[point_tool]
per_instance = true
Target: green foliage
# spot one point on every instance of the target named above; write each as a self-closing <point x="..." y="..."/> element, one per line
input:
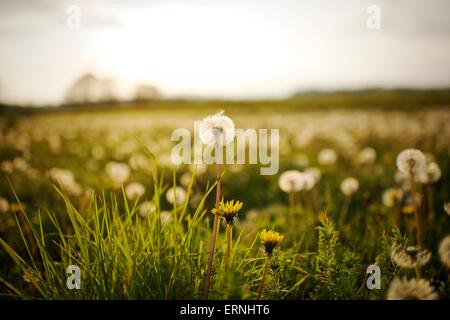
<point x="326" y="260"/>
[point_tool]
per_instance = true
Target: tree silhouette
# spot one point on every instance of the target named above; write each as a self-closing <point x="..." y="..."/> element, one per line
<point x="90" y="89"/>
<point x="147" y="92"/>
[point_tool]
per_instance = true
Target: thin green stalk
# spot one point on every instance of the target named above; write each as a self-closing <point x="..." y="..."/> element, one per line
<point x="291" y="211"/>
<point x="344" y="209"/>
<point x="213" y="238"/>
<point x="263" y="280"/>
<point x="416" y="211"/>
<point x="229" y="244"/>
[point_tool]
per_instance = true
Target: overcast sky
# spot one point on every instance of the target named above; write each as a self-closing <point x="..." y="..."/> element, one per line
<point x="227" y="48"/>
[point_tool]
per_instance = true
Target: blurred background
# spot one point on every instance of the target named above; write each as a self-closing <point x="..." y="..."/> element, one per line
<point x="55" y="52"/>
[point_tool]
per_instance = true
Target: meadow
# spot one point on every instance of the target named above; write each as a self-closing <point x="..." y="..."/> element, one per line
<point x="95" y="188"/>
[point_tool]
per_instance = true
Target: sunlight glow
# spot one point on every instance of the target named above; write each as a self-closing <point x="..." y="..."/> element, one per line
<point x="184" y="48"/>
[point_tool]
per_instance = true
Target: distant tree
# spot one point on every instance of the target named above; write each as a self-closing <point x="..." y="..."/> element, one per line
<point x="145" y="92"/>
<point x="90" y="89"/>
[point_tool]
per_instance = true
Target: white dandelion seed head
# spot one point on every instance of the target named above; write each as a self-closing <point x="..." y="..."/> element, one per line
<point x="402" y="179"/>
<point x="177" y="194"/>
<point x="186" y="179"/>
<point x="410" y="257"/>
<point x="66" y="179"/>
<point x="291" y="181"/>
<point x="444" y="251"/>
<point x="217" y="130"/>
<point x="367" y="156"/>
<point x="447" y="208"/>
<point x="315" y="172"/>
<point x="63" y="176"/>
<point x="414" y="289"/>
<point x="349" y="186"/>
<point x="4" y="205"/>
<point x="421" y="177"/>
<point x="146" y="208"/>
<point x="118" y="172"/>
<point x="7" y="166"/>
<point x="139" y="161"/>
<point x="26" y="278"/>
<point x="434" y="172"/>
<point x="252" y="215"/>
<point x="134" y="190"/>
<point x="166" y="217"/>
<point x="309" y="180"/>
<point x="199" y="168"/>
<point x="411" y="160"/>
<point x="327" y="157"/>
<point x="392" y="196"/>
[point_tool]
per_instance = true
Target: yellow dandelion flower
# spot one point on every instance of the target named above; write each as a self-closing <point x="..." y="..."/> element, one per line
<point x="228" y="210"/>
<point x="408" y="209"/>
<point x="270" y="239"/>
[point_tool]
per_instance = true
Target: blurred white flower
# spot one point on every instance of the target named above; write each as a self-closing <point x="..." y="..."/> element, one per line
<point x="309" y="180"/>
<point x="118" y="172"/>
<point x="88" y="193"/>
<point x="349" y="186"/>
<point x="62" y="176"/>
<point x="414" y="289"/>
<point x="291" y="181"/>
<point x="433" y="172"/>
<point x="447" y="208"/>
<point x="139" y="161"/>
<point x="392" y="196"/>
<point x="166" y="217"/>
<point x="410" y="257"/>
<point x="177" y="194"/>
<point x="367" y="156"/>
<point x="315" y="172"/>
<point x="146" y="209"/>
<point x="20" y="164"/>
<point x="7" y="166"/>
<point x="401" y="177"/>
<point x="66" y="179"/>
<point x="217" y="130"/>
<point x="134" y="190"/>
<point x="252" y="215"/>
<point x="444" y="251"/>
<point x="4" y="205"/>
<point x="200" y="168"/>
<point x="411" y="160"/>
<point x="327" y="157"/>
<point x="186" y="179"/>
<point x="403" y="180"/>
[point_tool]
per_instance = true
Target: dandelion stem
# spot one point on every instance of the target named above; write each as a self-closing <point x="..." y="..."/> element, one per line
<point x="344" y="209"/>
<point x="229" y="239"/>
<point x="397" y="214"/>
<point x="291" y="211"/>
<point x="429" y="199"/>
<point x="213" y="237"/>
<point x="263" y="280"/>
<point x="418" y="275"/>
<point x="416" y="211"/>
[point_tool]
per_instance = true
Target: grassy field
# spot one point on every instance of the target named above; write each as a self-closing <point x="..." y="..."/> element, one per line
<point x="91" y="187"/>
